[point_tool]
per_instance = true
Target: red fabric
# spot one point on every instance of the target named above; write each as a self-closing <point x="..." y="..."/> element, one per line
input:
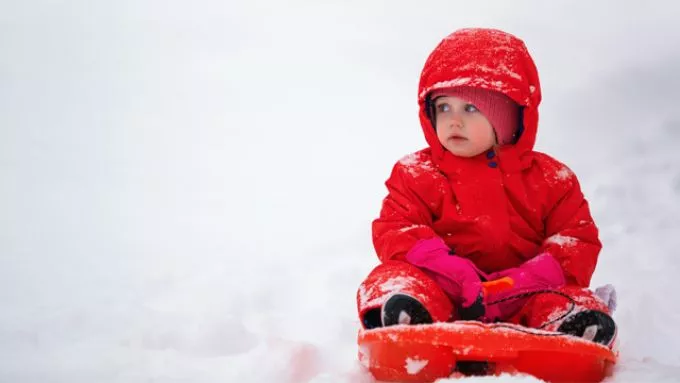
<point x="500" y="208"/>
<point x="396" y="276"/>
<point x="546" y="308"/>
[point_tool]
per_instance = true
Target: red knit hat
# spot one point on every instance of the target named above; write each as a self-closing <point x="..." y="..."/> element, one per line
<point x="501" y="111"/>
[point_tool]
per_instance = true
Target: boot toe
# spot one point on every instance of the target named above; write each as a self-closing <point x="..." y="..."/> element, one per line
<point x="590" y="324"/>
<point x="404" y="309"/>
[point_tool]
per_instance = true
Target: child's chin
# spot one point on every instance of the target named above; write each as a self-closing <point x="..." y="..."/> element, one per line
<point x="462" y="152"/>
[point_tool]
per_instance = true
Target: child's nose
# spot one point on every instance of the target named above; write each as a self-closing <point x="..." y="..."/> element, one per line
<point x="457" y="120"/>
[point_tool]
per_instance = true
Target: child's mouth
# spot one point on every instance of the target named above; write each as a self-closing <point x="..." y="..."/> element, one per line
<point x="458" y="138"/>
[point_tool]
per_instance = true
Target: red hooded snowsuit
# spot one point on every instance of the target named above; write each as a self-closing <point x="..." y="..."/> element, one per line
<point x="498" y="209"/>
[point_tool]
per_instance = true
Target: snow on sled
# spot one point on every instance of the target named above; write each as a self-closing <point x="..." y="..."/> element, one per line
<point x="425" y="353"/>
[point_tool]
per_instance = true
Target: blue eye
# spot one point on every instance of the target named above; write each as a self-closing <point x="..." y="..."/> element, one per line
<point x="471" y="108"/>
<point x="443" y="108"/>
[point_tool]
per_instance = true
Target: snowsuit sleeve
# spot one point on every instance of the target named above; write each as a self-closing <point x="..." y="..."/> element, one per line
<point x="571" y="235"/>
<point x="404" y="218"/>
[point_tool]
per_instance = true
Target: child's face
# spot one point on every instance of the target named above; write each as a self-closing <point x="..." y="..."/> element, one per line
<point x="461" y="128"/>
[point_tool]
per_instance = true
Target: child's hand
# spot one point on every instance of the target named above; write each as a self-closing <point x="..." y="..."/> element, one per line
<point x="457" y="276"/>
<point x="539" y="273"/>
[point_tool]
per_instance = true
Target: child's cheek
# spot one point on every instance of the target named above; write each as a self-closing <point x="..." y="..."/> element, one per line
<point x="440" y="135"/>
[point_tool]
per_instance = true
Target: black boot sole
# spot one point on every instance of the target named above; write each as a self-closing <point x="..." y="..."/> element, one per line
<point x="404" y="309"/>
<point x="578" y="323"/>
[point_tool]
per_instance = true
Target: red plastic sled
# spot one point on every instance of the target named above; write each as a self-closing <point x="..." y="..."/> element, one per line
<point x="424" y="353"/>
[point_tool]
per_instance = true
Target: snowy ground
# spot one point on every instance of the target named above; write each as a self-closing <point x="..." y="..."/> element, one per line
<point x="187" y="190"/>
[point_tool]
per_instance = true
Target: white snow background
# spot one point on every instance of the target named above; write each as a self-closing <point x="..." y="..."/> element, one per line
<point x="186" y="188"/>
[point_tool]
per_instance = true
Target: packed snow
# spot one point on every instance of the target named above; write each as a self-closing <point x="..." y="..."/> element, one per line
<point x="562" y="240"/>
<point x="414" y="366"/>
<point x="187" y="188"/>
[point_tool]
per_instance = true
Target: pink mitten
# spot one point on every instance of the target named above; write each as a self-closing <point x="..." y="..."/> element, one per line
<point x="457" y="276"/>
<point x="539" y="273"/>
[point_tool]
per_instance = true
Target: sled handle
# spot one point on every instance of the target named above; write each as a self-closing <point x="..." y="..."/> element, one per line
<point x="497" y="285"/>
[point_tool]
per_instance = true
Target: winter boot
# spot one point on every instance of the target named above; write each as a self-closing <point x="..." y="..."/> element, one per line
<point x="404" y="309"/>
<point x="592" y="325"/>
